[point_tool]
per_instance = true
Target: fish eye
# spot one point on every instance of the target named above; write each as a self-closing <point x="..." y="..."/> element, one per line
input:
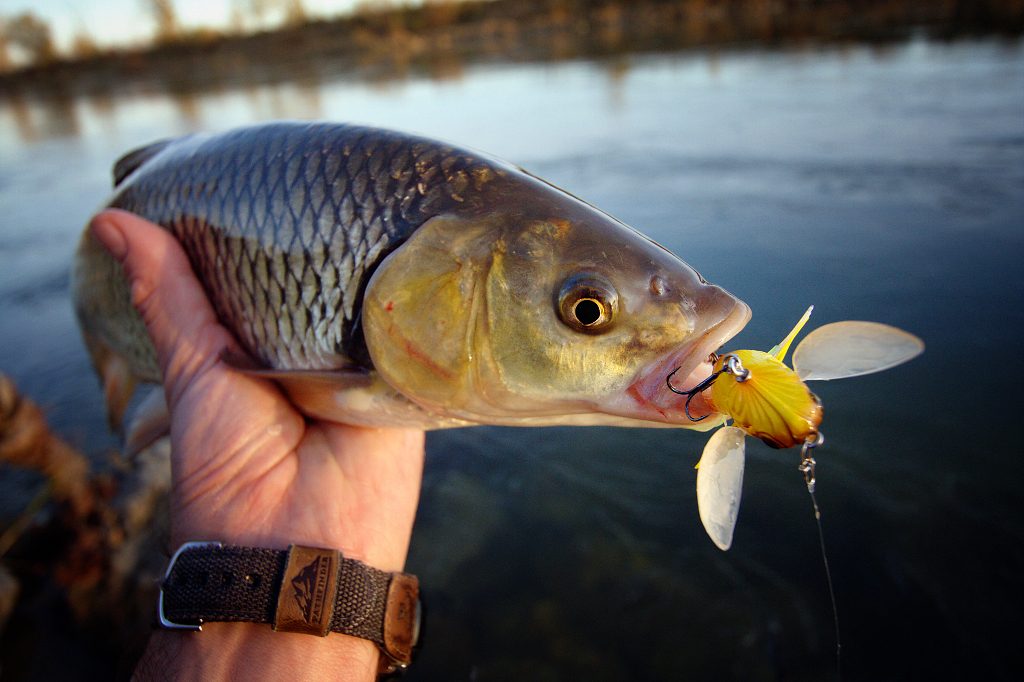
<point x="587" y="304"/>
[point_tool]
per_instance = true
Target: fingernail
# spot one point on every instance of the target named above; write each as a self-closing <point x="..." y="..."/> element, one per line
<point x="111" y="237"/>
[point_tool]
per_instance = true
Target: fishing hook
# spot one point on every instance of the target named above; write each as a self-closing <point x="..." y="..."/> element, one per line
<point x="732" y="366"/>
<point x="702" y="386"/>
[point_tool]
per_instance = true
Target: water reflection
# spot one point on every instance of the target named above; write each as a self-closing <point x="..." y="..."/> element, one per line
<point x="617" y="71"/>
<point x="300" y="100"/>
<point x="54" y="115"/>
<point x="187" y="103"/>
<point x="308" y="88"/>
<point x="102" y="105"/>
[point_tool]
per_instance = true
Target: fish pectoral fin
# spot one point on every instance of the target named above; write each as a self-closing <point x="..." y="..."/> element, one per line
<point x="116" y="377"/>
<point x="149" y="422"/>
<point x="342" y="396"/>
<point x="237" y="360"/>
<point x="134" y="159"/>
<point x="315" y="392"/>
<point x="336" y="378"/>
<point x="348" y="395"/>
<point x="341" y="376"/>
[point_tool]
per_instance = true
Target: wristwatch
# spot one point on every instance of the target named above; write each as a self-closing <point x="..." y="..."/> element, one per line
<point x="310" y="590"/>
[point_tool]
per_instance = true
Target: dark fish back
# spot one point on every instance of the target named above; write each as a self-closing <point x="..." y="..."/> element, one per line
<point x="285" y="223"/>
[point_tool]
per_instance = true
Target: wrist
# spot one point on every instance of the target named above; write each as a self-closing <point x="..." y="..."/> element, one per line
<point x="361" y="501"/>
<point x="307" y="590"/>
<point x="231" y="651"/>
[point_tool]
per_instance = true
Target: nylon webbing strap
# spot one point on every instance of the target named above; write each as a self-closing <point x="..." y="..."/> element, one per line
<point x="303" y="589"/>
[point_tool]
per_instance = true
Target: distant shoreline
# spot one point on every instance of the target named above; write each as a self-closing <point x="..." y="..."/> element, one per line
<point x="440" y="39"/>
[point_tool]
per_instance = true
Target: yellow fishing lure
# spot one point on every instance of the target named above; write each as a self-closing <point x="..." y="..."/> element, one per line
<point x="764" y="397"/>
<point x="769" y="400"/>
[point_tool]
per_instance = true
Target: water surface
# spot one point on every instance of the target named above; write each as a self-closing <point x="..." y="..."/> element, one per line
<point x="876" y="183"/>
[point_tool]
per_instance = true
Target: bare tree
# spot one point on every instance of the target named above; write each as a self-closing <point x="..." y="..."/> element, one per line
<point x="258" y="10"/>
<point x="236" y="18"/>
<point x="440" y="13"/>
<point x="5" y="57"/>
<point x="253" y="14"/>
<point x="165" y="16"/>
<point x="294" y="13"/>
<point x="31" y="34"/>
<point x="83" y="46"/>
<point x="366" y="7"/>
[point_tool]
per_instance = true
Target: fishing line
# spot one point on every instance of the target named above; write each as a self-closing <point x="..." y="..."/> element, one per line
<point x="806" y="467"/>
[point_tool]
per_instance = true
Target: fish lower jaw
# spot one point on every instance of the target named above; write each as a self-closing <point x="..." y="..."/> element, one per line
<point x="650" y="398"/>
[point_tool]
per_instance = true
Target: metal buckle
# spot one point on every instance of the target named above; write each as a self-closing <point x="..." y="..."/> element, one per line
<point x="167" y="574"/>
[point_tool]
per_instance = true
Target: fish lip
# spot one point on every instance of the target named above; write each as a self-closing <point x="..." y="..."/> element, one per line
<point x="650" y="391"/>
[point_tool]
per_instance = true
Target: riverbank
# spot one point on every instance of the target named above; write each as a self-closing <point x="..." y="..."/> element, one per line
<point x="437" y="39"/>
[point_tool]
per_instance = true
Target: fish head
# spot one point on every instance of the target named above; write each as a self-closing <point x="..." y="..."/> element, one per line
<point x="564" y="317"/>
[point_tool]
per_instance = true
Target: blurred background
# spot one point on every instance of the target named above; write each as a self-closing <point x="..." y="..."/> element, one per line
<point x="866" y="156"/>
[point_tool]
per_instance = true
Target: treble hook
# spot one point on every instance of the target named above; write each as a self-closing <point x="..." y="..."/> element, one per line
<point x="702" y="386"/>
<point x="732" y="366"/>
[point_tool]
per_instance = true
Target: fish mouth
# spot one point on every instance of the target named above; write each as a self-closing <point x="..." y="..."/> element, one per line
<point x="650" y="394"/>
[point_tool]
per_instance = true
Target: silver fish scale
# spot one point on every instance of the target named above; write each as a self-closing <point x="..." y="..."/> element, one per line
<point x="284" y="224"/>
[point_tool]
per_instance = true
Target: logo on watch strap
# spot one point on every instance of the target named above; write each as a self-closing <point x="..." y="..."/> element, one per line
<point x="310" y="587"/>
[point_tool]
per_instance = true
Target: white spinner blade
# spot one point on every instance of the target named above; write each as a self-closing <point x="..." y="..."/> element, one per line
<point x="720" y="484"/>
<point x="852" y="348"/>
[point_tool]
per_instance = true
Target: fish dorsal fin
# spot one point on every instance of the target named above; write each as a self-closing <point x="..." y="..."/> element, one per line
<point x="131" y="161"/>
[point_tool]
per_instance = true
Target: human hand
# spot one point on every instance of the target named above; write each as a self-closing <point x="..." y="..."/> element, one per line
<point x="248" y="469"/>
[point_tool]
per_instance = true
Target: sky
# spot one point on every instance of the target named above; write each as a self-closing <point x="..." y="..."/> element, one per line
<point x="124" y="22"/>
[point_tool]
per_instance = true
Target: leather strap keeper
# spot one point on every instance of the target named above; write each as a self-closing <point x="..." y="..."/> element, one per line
<point x="304" y="589"/>
<point x="305" y="602"/>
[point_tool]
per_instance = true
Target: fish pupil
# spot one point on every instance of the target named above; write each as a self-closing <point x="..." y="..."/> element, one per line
<point x="587" y="311"/>
<point x="586" y="303"/>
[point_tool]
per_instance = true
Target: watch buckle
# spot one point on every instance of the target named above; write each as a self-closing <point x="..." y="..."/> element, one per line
<point x="164" y="621"/>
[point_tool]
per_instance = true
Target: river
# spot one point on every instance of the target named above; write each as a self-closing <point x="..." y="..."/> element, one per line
<point x="877" y="182"/>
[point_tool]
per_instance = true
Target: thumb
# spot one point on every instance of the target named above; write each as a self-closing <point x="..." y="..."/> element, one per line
<point x="179" y="318"/>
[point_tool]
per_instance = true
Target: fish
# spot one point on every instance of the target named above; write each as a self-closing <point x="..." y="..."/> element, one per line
<point x="385" y="279"/>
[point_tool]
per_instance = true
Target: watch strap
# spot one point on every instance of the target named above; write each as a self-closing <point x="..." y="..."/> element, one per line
<point x="303" y="589"/>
